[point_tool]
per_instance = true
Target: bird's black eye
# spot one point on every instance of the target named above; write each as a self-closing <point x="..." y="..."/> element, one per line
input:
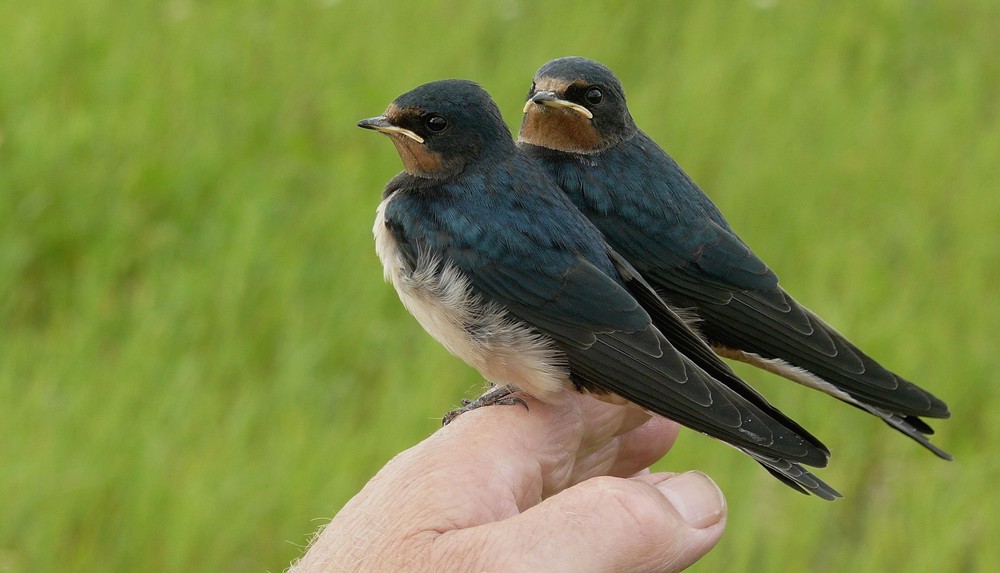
<point x="436" y="123"/>
<point x="594" y="96"/>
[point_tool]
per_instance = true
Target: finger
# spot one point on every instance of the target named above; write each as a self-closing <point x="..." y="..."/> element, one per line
<point x="535" y="450"/>
<point x="487" y="465"/>
<point x="501" y="460"/>
<point x="643" y="446"/>
<point x="630" y="452"/>
<point x="658" y="522"/>
<point x="603" y="421"/>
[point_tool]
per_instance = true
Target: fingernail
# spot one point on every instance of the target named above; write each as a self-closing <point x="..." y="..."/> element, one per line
<point x="696" y="497"/>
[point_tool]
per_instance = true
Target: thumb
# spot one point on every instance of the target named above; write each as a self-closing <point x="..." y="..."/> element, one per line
<point x="655" y="522"/>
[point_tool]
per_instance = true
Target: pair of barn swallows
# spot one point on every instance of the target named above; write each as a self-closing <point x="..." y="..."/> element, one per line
<point x="582" y="257"/>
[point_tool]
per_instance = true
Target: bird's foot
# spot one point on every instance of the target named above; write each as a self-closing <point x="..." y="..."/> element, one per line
<point x="496" y="396"/>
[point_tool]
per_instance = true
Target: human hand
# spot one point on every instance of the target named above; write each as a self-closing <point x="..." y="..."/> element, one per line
<point x="554" y="488"/>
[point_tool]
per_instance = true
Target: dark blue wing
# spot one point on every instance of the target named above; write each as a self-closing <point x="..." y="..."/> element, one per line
<point x="550" y="268"/>
<point x="659" y="220"/>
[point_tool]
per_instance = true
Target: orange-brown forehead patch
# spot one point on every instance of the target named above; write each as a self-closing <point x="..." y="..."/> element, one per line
<point x="395" y="113"/>
<point x="417" y="158"/>
<point x="554" y="85"/>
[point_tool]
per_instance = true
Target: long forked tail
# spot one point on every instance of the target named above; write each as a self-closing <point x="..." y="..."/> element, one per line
<point x="795" y="476"/>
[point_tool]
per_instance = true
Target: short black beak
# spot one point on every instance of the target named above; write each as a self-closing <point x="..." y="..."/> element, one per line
<point x="543" y="96"/>
<point x="374" y="123"/>
<point x="550" y="99"/>
<point x="382" y="124"/>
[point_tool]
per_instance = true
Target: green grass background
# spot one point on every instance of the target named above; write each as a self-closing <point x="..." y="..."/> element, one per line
<point x="199" y="362"/>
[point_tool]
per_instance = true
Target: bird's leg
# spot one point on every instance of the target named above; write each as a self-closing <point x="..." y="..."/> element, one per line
<point x="497" y="395"/>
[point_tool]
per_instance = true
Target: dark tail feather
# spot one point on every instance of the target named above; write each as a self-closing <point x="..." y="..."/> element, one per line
<point x="795" y="476"/>
<point x="911" y="426"/>
<point x="680" y="334"/>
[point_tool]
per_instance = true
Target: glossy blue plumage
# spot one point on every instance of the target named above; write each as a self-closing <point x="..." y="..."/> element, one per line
<point x="654" y="215"/>
<point x="493" y="258"/>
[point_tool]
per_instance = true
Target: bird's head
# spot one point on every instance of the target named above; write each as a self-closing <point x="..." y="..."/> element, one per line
<point x="576" y="105"/>
<point x="441" y="127"/>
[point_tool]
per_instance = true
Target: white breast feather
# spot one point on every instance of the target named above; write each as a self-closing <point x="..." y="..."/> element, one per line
<point x="439" y="296"/>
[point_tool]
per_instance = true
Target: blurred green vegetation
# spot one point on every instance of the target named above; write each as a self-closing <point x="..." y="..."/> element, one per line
<point x="199" y="362"/>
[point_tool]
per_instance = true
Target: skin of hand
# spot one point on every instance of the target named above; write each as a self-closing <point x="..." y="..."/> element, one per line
<point x="561" y="487"/>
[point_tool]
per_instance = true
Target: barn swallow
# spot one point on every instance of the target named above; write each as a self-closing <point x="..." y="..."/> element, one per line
<point x="577" y="124"/>
<point x="496" y="264"/>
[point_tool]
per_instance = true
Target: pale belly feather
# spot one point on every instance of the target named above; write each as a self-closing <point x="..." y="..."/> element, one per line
<point x="438" y="294"/>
